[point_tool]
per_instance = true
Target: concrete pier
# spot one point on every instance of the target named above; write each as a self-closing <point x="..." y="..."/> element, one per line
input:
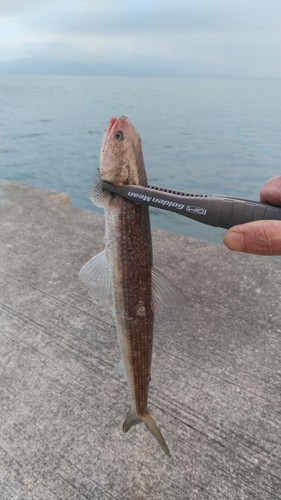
<point x="216" y="375"/>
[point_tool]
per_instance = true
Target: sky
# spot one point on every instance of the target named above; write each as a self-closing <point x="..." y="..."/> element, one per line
<point x="205" y="38"/>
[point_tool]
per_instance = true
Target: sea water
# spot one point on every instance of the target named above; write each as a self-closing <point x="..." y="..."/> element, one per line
<point x="216" y="136"/>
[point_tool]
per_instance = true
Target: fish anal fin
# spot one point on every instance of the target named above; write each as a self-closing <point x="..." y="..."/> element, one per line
<point x="120" y="368"/>
<point x="165" y="293"/>
<point x="134" y="419"/>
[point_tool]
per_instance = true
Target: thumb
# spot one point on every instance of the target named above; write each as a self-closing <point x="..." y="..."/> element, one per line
<point x="261" y="237"/>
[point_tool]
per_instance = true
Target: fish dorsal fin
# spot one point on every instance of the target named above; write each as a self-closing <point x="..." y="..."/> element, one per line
<point x="95" y="274"/>
<point x="165" y="293"/>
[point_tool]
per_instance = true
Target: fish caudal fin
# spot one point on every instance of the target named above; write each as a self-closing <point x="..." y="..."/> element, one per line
<point x="134" y="419"/>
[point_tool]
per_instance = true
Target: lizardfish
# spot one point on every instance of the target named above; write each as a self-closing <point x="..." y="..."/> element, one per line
<point x="125" y="269"/>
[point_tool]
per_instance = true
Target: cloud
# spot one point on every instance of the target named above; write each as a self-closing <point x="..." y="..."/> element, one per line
<point x="14" y="7"/>
<point x="133" y="17"/>
<point x="233" y="37"/>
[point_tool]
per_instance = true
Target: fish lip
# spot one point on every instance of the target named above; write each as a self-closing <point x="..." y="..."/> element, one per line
<point x="107" y="133"/>
<point x="110" y="124"/>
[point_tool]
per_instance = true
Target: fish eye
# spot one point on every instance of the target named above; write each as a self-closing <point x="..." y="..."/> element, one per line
<point x="119" y="136"/>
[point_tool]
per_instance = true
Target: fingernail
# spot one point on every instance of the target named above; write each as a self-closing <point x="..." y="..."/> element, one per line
<point x="235" y="241"/>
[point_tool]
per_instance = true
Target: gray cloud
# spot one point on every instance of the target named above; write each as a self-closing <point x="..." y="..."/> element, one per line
<point x="134" y="18"/>
<point x="169" y="15"/>
<point x="231" y="38"/>
<point x="15" y="7"/>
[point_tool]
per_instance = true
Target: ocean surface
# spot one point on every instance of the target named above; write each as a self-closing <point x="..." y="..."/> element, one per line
<point x="217" y="136"/>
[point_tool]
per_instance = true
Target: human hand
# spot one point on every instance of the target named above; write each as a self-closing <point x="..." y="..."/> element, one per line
<point x="262" y="237"/>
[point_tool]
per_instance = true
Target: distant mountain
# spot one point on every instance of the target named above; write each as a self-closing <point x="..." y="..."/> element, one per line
<point x="49" y="66"/>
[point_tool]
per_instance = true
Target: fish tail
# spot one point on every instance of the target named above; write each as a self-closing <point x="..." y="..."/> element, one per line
<point x="134" y="419"/>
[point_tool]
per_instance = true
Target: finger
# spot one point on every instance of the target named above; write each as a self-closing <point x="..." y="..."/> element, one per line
<point x="261" y="237"/>
<point x="271" y="191"/>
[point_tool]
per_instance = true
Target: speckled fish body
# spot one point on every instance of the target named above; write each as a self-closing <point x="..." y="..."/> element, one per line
<point x="125" y="266"/>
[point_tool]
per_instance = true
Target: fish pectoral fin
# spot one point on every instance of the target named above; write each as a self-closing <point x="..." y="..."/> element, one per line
<point x="97" y="195"/>
<point x="165" y="293"/>
<point x="95" y="274"/>
<point x="134" y="419"/>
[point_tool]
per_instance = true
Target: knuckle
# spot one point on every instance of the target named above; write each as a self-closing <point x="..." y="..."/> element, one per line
<point x="266" y="241"/>
<point x="263" y="241"/>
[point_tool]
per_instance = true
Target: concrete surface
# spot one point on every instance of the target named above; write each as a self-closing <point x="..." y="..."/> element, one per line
<point x="216" y="378"/>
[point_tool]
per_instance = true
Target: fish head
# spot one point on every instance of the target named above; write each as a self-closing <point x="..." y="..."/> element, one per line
<point x="121" y="159"/>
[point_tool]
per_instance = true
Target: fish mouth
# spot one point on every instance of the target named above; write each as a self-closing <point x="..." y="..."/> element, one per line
<point x="109" y="127"/>
<point x="110" y="124"/>
<point x="107" y="132"/>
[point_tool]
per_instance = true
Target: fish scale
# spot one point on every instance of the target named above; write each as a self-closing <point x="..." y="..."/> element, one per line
<point x="132" y="265"/>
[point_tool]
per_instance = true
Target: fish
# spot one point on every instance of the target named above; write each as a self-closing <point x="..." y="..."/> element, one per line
<point x="124" y="269"/>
